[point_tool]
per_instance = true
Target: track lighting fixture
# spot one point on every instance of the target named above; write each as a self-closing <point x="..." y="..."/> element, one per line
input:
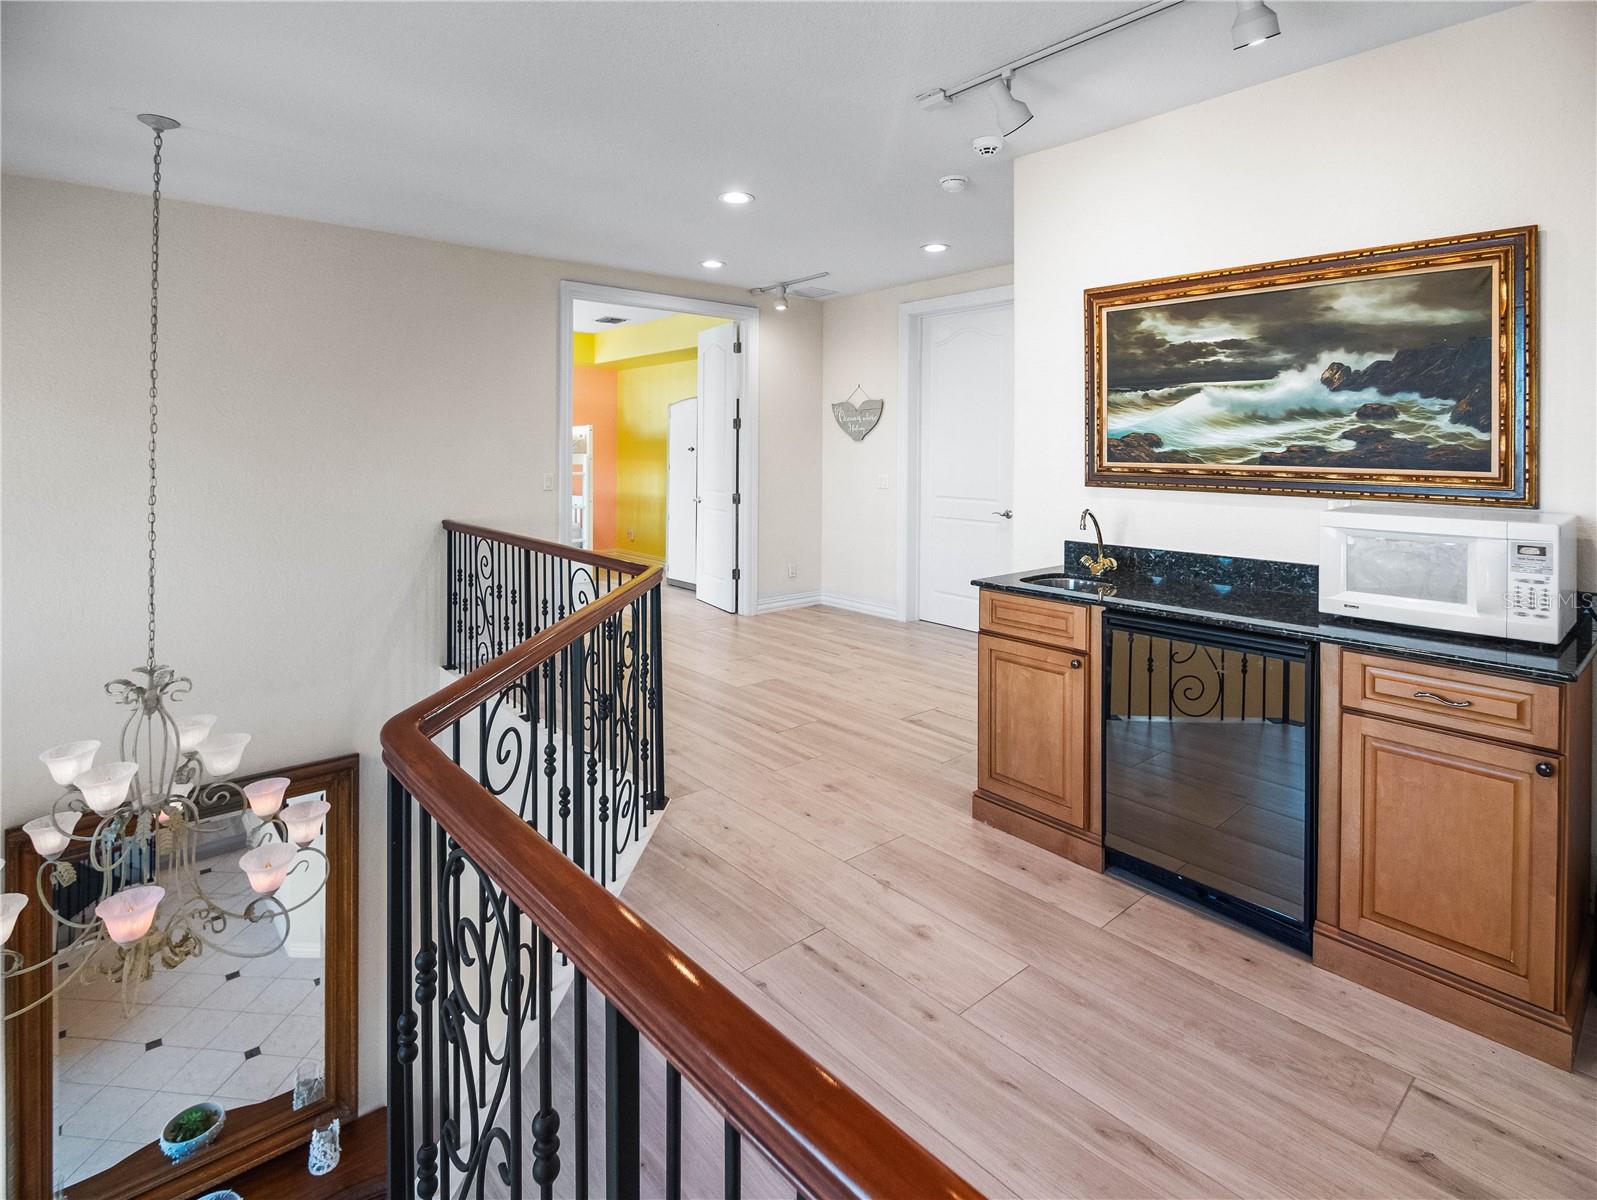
<point x="779" y="290"/>
<point x="1256" y="22"/>
<point x="1011" y="113"/>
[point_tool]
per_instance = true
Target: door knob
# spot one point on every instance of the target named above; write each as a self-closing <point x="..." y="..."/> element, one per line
<point x="1075" y="664"/>
<point x="1544" y="769"/>
<point x="1007" y="514"/>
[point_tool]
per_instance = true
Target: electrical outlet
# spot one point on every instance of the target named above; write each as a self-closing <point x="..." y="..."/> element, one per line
<point x="548" y="482"/>
<point x="792" y="570"/>
<point x="882" y="483"/>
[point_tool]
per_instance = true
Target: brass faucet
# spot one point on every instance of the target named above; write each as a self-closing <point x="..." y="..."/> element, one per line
<point x="1103" y="563"/>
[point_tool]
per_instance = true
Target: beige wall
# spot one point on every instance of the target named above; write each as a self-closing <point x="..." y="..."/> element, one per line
<point x="329" y="395"/>
<point x="1479" y="126"/>
<point x="860" y="532"/>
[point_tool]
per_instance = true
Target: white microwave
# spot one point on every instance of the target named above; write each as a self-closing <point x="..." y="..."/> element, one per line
<point x="1499" y="574"/>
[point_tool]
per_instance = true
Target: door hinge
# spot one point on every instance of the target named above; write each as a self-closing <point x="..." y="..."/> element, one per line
<point x="737" y="574"/>
<point x="737" y="497"/>
<point x="737" y="424"/>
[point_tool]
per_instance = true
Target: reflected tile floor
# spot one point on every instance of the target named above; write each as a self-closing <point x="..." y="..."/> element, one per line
<point x="217" y="1027"/>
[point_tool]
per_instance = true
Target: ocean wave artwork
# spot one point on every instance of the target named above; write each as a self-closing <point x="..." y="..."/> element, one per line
<point x="1392" y="372"/>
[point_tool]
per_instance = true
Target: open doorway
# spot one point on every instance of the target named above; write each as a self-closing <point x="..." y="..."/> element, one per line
<point x="658" y="435"/>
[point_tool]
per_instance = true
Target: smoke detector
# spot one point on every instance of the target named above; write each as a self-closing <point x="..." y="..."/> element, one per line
<point x="987" y="146"/>
<point x="954" y="183"/>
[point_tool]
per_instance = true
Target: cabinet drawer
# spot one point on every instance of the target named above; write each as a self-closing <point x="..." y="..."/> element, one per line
<point x="1032" y="727"/>
<point x="1508" y="710"/>
<point x="1050" y="622"/>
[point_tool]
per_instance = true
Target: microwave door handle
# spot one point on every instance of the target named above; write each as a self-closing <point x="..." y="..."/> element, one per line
<point x="1423" y="695"/>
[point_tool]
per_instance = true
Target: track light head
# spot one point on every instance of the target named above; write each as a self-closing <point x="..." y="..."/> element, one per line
<point x="781" y="298"/>
<point x="1255" y="22"/>
<point x="1012" y="113"/>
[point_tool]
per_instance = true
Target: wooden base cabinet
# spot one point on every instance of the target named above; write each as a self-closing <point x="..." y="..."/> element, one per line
<point x="1458" y="863"/>
<point x="1036" y="718"/>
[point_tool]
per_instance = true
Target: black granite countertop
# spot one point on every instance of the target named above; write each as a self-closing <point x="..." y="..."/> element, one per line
<point x="1276" y="597"/>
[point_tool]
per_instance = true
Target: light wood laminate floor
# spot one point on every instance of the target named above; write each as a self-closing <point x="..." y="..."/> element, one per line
<point x="1045" y="1030"/>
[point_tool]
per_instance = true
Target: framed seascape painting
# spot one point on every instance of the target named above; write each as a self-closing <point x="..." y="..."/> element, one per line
<point x="1400" y="373"/>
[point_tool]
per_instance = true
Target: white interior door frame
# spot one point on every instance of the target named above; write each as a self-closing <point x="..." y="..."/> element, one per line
<point x="911" y="314"/>
<point x="748" y="318"/>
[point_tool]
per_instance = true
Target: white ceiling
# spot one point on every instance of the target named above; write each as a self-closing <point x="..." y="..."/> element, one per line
<point x="602" y="132"/>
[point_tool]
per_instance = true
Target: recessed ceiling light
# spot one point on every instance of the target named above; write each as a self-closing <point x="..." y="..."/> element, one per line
<point x="712" y="264"/>
<point x="737" y="197"/>
<point x="935" y="247"/>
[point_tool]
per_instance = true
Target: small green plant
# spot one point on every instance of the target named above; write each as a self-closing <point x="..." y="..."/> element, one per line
<point x="190" y="1123"/>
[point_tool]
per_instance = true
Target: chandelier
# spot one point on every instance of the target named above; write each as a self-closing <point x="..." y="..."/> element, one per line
<point x="136" y="821"/>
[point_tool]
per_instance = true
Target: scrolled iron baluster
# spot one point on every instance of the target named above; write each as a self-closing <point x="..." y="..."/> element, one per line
<point x="546" y="1121"/>
<point x="426" y="964"/>
<point x="400" y="1017"/>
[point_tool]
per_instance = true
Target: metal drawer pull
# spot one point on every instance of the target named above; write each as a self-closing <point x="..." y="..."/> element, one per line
<point x="1442" y="700"/>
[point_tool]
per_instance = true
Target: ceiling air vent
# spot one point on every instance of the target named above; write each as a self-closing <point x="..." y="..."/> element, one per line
<point x="812" y="293"/>
<point x="609" y="320"/>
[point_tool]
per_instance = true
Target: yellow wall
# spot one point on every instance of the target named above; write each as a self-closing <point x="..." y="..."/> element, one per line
<point x="643" y="399"/>
<point x="655" y="363"/>
<point x="669" y="339"/>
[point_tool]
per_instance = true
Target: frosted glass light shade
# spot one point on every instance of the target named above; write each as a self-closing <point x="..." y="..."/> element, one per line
<point x="191" y="731"/>
<point x="48" y="838"/>
<point x="304" y="820"/>
<point x="222" y="753"/>
<point x="11" y="904"/>
<point x="69" y="760"/>
<point x="129" y="914"/>
<point x="268" y="865"/>
<point x="105" y="787"/>
<point x="266" y="795"/>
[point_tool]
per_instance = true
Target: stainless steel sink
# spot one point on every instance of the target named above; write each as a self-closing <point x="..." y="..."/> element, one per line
<point x="1072" y="583"/>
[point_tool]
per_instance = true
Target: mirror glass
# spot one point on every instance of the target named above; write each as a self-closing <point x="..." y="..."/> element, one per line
<point x="238" y="1023"/>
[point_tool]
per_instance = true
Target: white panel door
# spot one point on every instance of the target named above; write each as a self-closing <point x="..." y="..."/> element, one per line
<point x="967" y="383"/>
<point x="682" y="492"/>
<point x="720" y="386"/>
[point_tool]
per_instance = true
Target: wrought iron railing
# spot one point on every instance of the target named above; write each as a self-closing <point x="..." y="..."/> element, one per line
<point x="501" y="588"/>
<point x="515" y="794"/>
<point x="1157" y="677"/>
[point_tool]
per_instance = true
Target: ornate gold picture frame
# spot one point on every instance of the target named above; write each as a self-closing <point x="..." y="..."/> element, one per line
<point x="1402" y="372"/>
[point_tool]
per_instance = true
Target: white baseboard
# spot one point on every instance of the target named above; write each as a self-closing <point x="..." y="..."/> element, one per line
<point x="792" y="600"/>
<point x="868" y="608"/>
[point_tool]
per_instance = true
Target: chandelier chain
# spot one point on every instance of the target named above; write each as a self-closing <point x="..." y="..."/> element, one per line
<point x="155" y="326"/>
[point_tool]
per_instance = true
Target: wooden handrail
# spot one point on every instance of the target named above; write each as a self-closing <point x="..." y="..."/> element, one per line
<point x="821" y="1132"/>
<point x="558" y="549"/>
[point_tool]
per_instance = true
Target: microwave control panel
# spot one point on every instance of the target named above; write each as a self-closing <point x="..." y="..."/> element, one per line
<point x="1530" y="576"/>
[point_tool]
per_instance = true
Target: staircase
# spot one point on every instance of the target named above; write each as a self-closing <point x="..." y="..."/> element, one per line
<point x="545" y="1039"/>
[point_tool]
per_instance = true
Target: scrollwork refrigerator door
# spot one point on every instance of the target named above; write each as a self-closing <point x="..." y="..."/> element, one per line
<point x="1208" y="761"/>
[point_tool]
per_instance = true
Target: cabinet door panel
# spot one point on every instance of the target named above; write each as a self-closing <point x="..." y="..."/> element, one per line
<point x="1450" y="853"/>
<point x="1032" y="736"/>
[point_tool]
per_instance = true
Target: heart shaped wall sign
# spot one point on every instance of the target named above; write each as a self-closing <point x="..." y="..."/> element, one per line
<point x="857" y="420"/>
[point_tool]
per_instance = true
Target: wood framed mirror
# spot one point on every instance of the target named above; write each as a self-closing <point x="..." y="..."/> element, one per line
<point x="271" y="1039"/>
